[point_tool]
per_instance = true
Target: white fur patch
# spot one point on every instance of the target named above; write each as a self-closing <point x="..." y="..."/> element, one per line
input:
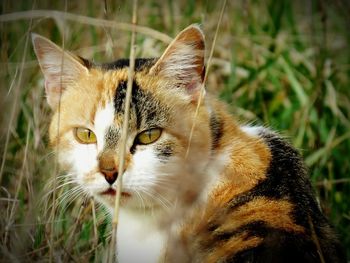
<point x="253" y="130"/>
<point x="84" y="156"/>
<point x="104" y="118"/>
<point x="139" y="239"/>
<point x="151" y="178"/>
<point x="182" y="62"/>
<point x="214" y="170"/>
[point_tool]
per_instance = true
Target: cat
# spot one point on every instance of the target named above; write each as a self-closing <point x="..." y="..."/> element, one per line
<point x="197" y="186"/>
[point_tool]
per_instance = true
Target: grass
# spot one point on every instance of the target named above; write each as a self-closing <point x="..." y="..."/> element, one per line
<point x="285" y="64"/>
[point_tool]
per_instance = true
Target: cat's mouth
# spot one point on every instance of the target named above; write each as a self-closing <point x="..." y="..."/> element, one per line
<point x="112" y="192"/>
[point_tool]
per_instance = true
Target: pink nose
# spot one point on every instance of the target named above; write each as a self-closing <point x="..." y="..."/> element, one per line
<point x="111" y="175"/>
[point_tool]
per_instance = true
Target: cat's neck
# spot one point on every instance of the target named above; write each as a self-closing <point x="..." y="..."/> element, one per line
<point x="239" y="155"/>
<point x="139" y="237"/>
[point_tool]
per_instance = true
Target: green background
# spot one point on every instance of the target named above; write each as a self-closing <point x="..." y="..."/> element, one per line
<point x="282" y="64"/>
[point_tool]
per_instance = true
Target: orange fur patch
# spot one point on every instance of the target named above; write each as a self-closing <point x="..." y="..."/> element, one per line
<point x="237" y="244"/>
<point x="81" y="100"/>
<point x="275" y="213"/>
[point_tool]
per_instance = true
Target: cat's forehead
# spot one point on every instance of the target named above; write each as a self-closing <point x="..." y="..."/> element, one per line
<point x="141" y="64"/>
<point x="113" y="77"/>
<point x="146" y="108"/>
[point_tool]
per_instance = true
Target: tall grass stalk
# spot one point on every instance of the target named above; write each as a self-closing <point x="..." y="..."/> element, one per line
<point x="56" y="170"/>
<point x="66" y="16"/>
<point x="202" y="88"/>
<point x="124" y="135"/>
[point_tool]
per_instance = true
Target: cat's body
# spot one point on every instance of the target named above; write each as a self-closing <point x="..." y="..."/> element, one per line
<point x="225" y="193"/>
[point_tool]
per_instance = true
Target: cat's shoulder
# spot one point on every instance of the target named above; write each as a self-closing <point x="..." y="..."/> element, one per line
<point x="279" y="145"/>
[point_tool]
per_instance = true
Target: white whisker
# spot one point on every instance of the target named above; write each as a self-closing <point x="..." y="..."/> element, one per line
<point x="69" y="196"/>
<point x="143" y="205"/>
<point x="157" y="197"/>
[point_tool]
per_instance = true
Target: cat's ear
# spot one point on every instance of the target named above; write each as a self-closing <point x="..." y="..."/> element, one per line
<point x="183" y="60"/>
<point x="60" y="68"/>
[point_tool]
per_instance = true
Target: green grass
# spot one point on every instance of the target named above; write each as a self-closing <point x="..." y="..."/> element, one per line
<point x="285" y="64"/>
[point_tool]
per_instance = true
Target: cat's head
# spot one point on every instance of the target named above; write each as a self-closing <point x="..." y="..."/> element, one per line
<point x="88" y="102"/>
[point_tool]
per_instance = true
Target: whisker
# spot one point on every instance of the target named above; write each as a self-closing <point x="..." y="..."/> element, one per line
<point x="143" y="205"/>
<point x="67" y="198"/>
<point x="60" y="185"/>
<point x="162" y="200"/>
<point x="59" y="178"/>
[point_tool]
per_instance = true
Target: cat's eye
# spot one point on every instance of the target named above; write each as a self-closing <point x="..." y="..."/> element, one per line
<point x="84" y="135"/>
<point x="149" y="136"/>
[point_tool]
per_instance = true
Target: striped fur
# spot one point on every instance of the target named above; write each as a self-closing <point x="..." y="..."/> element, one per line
<point x="237" y="194"/>
<point x="275" y="220"/>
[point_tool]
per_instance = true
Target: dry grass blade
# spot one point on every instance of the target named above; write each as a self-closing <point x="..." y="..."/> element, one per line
<point x="202" y="91"/>
<point x="14" y="105"/>
<point x="19" y="184"/>
<point x="13" y="112"/>
<point x="59" y="15"/>
<point x="111" y="255"/>
<point x="73" y="230"/>
<point x="327" y="184"/>
<point x="316" y="241"/>
<point x="53" y="211"/>
<point x="94" y="221"/>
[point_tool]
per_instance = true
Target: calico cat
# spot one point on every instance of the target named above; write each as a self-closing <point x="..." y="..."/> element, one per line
<point x="228" y="193"/>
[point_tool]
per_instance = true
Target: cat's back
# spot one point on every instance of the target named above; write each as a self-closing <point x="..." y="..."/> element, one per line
<point x="309" y="238"/>
<point x="275" y="219"/>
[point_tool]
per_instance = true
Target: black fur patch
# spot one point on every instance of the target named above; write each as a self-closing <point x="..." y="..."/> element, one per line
<point x="279" y="246"/>
<point x="112" y="137"/>
<point x="216" y="130"/>
<point x="287" y="179"/>
<point x="147" y="110"/>
<point x="164" y="150"/>
<point x="140" y="64"/>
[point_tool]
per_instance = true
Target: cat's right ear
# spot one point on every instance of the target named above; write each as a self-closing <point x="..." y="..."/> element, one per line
<point x="183" y="61"/>
<point x="60" y="68"/>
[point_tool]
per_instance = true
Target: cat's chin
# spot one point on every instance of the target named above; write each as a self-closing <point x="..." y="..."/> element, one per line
<point x="112" y="192"/>
<point x="109" y="191"/>
<point x="127" y="202"/>
<point x="107" y="197"/>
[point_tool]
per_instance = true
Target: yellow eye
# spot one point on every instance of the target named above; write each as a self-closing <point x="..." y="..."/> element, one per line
<point x="149" y="136"/>
<point x="84" y="135"/>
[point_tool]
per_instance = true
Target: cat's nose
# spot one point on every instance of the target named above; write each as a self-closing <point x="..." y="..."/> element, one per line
<point x="110" y="174"/>
<point x="108" y="166"/>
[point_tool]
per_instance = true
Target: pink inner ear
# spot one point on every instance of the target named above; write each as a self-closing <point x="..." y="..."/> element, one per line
<point x="52" y="89"/>
<point x="194" y="88"/>
<point x="53" y="93"/>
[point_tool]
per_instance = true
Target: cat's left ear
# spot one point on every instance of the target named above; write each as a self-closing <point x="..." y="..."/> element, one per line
<point x="183" y="60"/>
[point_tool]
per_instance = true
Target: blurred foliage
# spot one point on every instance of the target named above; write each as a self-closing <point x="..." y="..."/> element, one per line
<point x="285" y="64"/>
